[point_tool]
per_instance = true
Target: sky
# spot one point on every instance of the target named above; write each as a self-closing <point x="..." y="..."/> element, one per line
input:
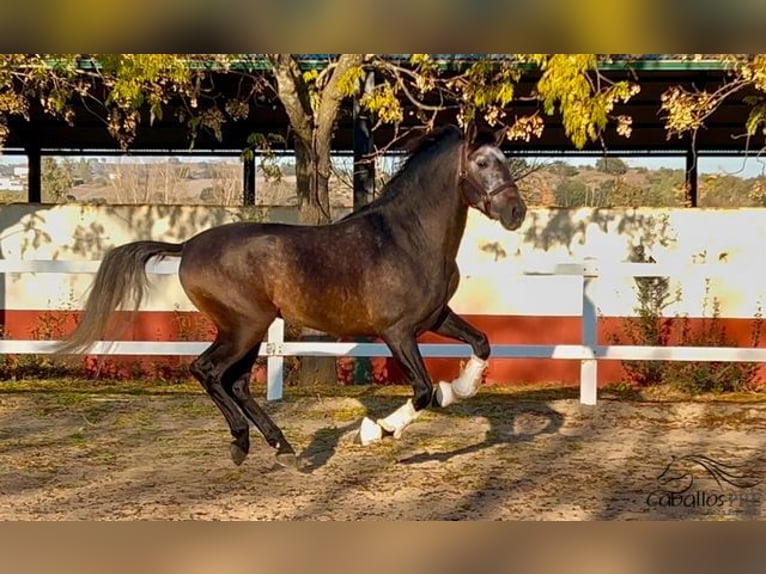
<point x="744" y="167"/>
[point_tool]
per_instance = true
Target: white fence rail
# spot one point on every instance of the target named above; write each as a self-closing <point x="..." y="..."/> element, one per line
<point x="276" y="348"/>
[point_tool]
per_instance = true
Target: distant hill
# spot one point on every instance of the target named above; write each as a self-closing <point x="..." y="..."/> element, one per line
<point x="610" y="183"/>
<point x="565" y="185"/>
<point x="207" y="191"/>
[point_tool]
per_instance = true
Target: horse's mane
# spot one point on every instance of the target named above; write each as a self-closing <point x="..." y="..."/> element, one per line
<point x="418" y="150"/>
<point x="427" y="142"/>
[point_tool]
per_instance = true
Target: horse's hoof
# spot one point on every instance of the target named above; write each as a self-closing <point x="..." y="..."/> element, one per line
<point x="238" y="455"/>
<point x="395" y="423"/>
<point x="390" y="430"/>
<point x="369" y="432"/>
<point x="287" y="459"/>
<point x="444" y="395"/>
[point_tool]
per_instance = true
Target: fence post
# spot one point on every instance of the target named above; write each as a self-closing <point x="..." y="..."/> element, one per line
<point x="275" y="362"/>
<point x="589" y="366"/>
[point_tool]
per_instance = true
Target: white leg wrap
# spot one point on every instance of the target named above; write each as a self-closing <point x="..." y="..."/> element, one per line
<point x="369" y="432"/>
<point x="400" y="418"/>
<point x="465" y="386"/>
<point x="444" y="394"/>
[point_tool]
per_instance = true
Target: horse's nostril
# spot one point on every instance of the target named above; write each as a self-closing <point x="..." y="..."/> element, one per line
<point x="518" y="212"/>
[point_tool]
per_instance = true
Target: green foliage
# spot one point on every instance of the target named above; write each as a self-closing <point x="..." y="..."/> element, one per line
<point x="384" y="102"/>
<point x="686" y="110"/>
<point x="571" y="85"/>
<point x="563" y="169"/>
<point x="757" y="117"/>
<point x="134" y="79"/>
<point x="265" y="145"/>
<point x="422" y="60"/>
<point x="57" y="179"/>
<point x="348" y="82"/>
<point x="586" y="186"/>
<point x="82" y="170"/>
<point x="724" y="190"/>
<point x="127" y="89"/>
<point x="566" y="87"/>
<point x="571" y="193"/>
<point x="22" y="75"/>
<point x="704" y="377"/>
<point x="488" y="88"/>
<point x="666" y="186"/>
<point x="751" y="69"/>
<point x="518" y="166"/>
<point x="54" y="326"/>
<point x="117" y="87"/>
<point x="652" y="327"/>
<point x="565" y="80"/>
<point x="611" y="165"/>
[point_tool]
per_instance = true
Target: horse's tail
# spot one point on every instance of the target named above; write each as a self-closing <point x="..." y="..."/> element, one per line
<point x="121" y="279"/>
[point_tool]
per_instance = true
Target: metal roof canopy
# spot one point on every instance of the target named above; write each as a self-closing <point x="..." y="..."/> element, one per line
<point x="723" y="132"/>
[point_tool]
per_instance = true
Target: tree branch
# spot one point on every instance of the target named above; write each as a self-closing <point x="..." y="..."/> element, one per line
<point x="294" y="95"/>
<point x="398" y="72"/>
<point x="329" y="102"/>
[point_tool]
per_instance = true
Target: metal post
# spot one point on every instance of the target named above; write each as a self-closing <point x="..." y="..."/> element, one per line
<point x="364" y="167"/>
<point x="248" y="178"/>
<point x="692" y="199"/>
<point x="34" y="176"/>
<point x="589" y="366"/>
<point x="275" y="362"/>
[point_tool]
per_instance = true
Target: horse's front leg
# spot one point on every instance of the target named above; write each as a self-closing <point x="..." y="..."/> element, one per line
<point x="467" y="384"/>
<point x="405" y="351"/>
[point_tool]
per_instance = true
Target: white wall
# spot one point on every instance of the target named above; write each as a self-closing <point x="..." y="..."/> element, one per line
<point x="491" y="259"/>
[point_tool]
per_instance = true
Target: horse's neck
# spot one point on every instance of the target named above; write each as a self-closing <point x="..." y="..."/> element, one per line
<point x="437" y="213"/>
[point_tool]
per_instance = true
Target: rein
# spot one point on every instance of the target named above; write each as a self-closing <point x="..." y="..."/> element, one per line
<point x="485" y="197"/>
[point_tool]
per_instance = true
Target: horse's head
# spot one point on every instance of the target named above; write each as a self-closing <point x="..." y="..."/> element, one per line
<point x="486" y="181"/>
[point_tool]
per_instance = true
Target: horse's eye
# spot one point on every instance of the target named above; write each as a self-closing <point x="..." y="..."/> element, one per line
<point x="482" y="163"/>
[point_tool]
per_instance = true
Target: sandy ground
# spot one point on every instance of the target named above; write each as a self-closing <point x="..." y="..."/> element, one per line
<point x="108" y="456"/>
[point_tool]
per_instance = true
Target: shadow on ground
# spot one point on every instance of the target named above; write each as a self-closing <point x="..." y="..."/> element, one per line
<point x="501" y="413"/>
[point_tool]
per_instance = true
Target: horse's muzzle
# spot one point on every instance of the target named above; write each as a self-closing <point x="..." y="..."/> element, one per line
<point x="512" y="215"/>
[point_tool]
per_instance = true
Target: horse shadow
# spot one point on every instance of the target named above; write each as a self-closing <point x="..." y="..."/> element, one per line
<point x="506" y="416"/>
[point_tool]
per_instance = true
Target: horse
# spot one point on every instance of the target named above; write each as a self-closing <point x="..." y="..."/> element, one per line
<point x="387" y="271"/>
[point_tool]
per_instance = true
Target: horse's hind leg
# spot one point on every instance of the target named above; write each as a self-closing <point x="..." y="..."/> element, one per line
<point x="236" y="382"/>
<point x="205" y="369"/>
<point x="451" y="325"/>
<point x="405" y="351"/>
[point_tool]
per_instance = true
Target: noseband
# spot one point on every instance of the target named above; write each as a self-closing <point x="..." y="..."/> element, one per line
<point x="484" y="197"/>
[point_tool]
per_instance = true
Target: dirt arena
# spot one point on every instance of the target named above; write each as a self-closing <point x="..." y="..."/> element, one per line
<point x="85" y="452"/>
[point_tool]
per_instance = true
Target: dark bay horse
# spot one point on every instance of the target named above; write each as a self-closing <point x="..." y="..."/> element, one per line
<point x="387" y="270"/>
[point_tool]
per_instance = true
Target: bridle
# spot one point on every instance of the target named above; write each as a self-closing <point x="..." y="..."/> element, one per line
<point x="484" y="197"/>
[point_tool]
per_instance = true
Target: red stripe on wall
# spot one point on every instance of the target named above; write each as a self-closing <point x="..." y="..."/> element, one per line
<point x="173" y="326"/>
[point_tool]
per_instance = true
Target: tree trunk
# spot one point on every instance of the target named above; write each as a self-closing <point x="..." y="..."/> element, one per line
<point x="312" y="123"/>
<point x="312" y="175"/>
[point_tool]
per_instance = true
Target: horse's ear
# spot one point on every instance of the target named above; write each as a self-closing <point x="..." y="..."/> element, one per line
<point x="500" y="136"/>
<point x="470" y="133"/>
